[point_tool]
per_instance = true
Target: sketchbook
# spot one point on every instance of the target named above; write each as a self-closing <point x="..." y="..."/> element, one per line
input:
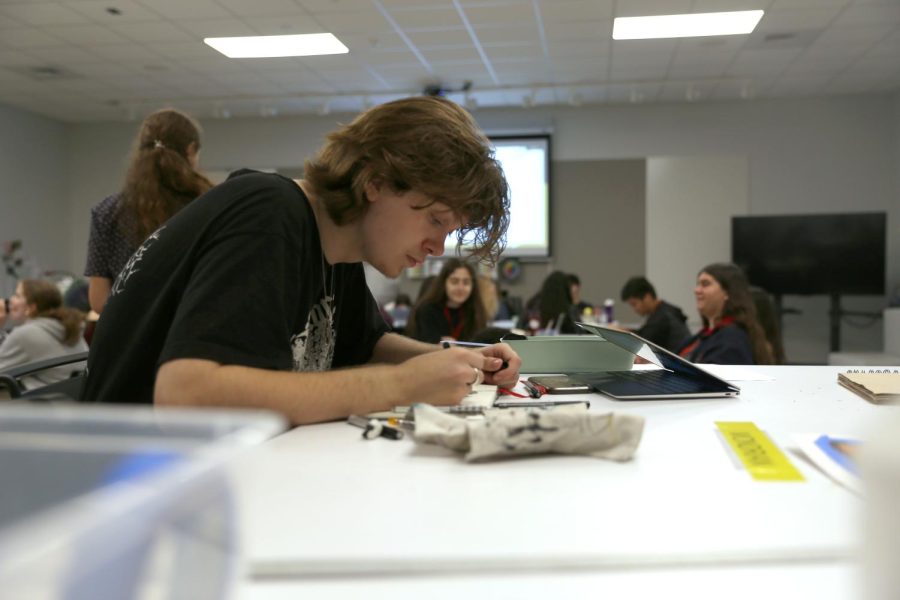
<point x="877" y="386"/>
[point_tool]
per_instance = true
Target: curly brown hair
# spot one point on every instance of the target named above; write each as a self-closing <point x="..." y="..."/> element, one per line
<point x="427" y="144"/>
<point x="48" y="302"/>
<point x="160" y="180"/>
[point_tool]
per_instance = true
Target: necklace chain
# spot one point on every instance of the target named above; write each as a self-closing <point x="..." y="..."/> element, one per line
<point x="329" y="293"/>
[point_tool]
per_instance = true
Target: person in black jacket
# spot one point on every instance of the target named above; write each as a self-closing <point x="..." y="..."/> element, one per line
<point x="731" y="333"/>
<point x="665" y="324"/>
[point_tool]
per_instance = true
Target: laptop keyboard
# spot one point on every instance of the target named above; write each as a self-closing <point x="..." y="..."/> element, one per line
<point x="658" y="381"/>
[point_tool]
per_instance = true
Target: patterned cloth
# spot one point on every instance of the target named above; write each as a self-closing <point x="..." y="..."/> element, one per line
<point x="513" y="432"/>
<point x="109" y="247"/>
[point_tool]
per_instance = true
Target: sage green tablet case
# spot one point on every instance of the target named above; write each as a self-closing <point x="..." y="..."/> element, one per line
<point x="570" y="354"/>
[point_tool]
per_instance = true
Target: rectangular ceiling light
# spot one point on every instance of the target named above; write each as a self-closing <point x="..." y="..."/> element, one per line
<point x="273" y="46"/>
<point x="677" y="26"/>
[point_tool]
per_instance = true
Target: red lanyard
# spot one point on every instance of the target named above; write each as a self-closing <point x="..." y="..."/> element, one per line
<point x="455" y="331"/>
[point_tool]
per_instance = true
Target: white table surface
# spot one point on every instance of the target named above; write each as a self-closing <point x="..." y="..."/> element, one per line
<point x="321" y="509"/>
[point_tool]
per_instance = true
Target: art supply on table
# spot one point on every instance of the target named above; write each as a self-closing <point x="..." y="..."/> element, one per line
<point x="373" y="428"/>
<point x="757" y="453"/>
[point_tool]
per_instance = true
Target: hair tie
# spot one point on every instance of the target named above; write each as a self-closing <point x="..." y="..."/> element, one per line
<point x="158" y="144"/>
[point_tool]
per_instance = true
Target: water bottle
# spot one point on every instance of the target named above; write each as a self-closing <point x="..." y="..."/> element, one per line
<point x="607" y="317"/>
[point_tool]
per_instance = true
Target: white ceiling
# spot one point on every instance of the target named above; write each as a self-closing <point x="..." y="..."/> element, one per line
<point x="73" y="60"/>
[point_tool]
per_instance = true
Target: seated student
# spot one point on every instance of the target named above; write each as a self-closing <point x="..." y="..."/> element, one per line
<point x="48" y="329"/>
<point x="575" y="291"/>
<point x="553" y="306"/>
<point x="286" y="255"/>
<point x="731" y="333"/>
<point x="665" y="324"/>
<point x="451" y="308"/>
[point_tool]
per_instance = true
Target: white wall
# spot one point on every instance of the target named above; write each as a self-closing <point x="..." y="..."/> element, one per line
<point x="690" y="202"/>
<point x="34" y="200"/>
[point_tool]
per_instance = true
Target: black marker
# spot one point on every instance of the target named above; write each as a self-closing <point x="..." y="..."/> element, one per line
<point x="447" y="343"/>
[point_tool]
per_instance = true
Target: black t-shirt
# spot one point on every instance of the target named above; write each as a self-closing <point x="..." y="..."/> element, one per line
<point x="666" y="327"/>
<point x="237" y="277"/>
<point x="432" y="323"/>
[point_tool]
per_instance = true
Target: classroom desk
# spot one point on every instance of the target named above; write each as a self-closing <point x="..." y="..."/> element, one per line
<point x="324" y="512"/>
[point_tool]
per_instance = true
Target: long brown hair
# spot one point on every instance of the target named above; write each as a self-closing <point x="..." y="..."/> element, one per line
<point x="160" y="180"/>
<point x="473" y="311"/>
<point x="47" y="299"/>
<point x="429" y="145"/>
<point x="741" y="308"/>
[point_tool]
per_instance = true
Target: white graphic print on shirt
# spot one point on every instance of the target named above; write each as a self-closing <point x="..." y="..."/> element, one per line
<point x="130" y="267"/>
<point x="313" y="349"/>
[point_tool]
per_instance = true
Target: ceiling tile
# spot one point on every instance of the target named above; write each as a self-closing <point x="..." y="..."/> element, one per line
<point x="583" y="30"/>
<point x="95" y="10"/>
<point x="27" y="37"/>
<point x="328" y="6"/>
<point x="49" y="13"/>
<point x="503" y="52"/>
<point x="444" y="37"/>
<point x="642" y="8"/>
<point x="192" y="9"/>
<point x="786" y="20"/>
<point x="465" y="53"/>
<point x="426" y="18"/>
<point x="697" y="71"/>
<point x="370" y="22"/>
<point x="262" y="8"/>
<point x="204" y="28"/>
<point x="579" y="49"/>
<point x="705" y="6"/>
<point x="15" y="58"/>
<point x="284" y="25"/>
<point x="779" y="4"/>
<point x="500" y="35"/>
<point x="500" y="14"/>
<point x="374" y="43"/>
<point x="125" y="53"/>
<point x="562" y="11"/>
<point x="873" y="14"/>
<point x="85" y="34"/>
<point x="180" y="50"/>
<point x="62" y="55"/>
<point x="151" y="31"/>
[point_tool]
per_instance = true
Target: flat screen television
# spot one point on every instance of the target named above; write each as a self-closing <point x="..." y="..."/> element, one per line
<point x="812" y="254"/>
<point x="526" y="163"/>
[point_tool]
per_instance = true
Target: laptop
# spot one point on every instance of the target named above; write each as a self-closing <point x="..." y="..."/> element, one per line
<point x="664" y="376"/>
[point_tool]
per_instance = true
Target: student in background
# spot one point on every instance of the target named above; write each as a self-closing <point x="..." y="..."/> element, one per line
<point x="580" y="306"/>
<point x="552" y="307"/>
<point x="451" y="308"/>
<point x="731" y="333"/>
<point x="47" y="329"/>
<point x="287" y="257"/>
<point x="161" y="179"/>
<point x="666" y="323"/>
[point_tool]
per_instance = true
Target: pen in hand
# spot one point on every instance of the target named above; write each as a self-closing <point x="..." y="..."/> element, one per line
<point x="447" y="343"/>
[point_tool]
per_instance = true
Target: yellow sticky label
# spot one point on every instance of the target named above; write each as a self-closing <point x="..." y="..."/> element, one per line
<point x="760" y="456"/>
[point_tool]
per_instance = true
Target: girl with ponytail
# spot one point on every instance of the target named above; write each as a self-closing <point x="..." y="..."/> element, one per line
<point x="162" y="178"/>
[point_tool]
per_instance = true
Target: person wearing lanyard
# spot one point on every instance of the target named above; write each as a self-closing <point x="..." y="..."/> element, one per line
<point x="451" y="308"/>
<point x="731" y="333"/>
